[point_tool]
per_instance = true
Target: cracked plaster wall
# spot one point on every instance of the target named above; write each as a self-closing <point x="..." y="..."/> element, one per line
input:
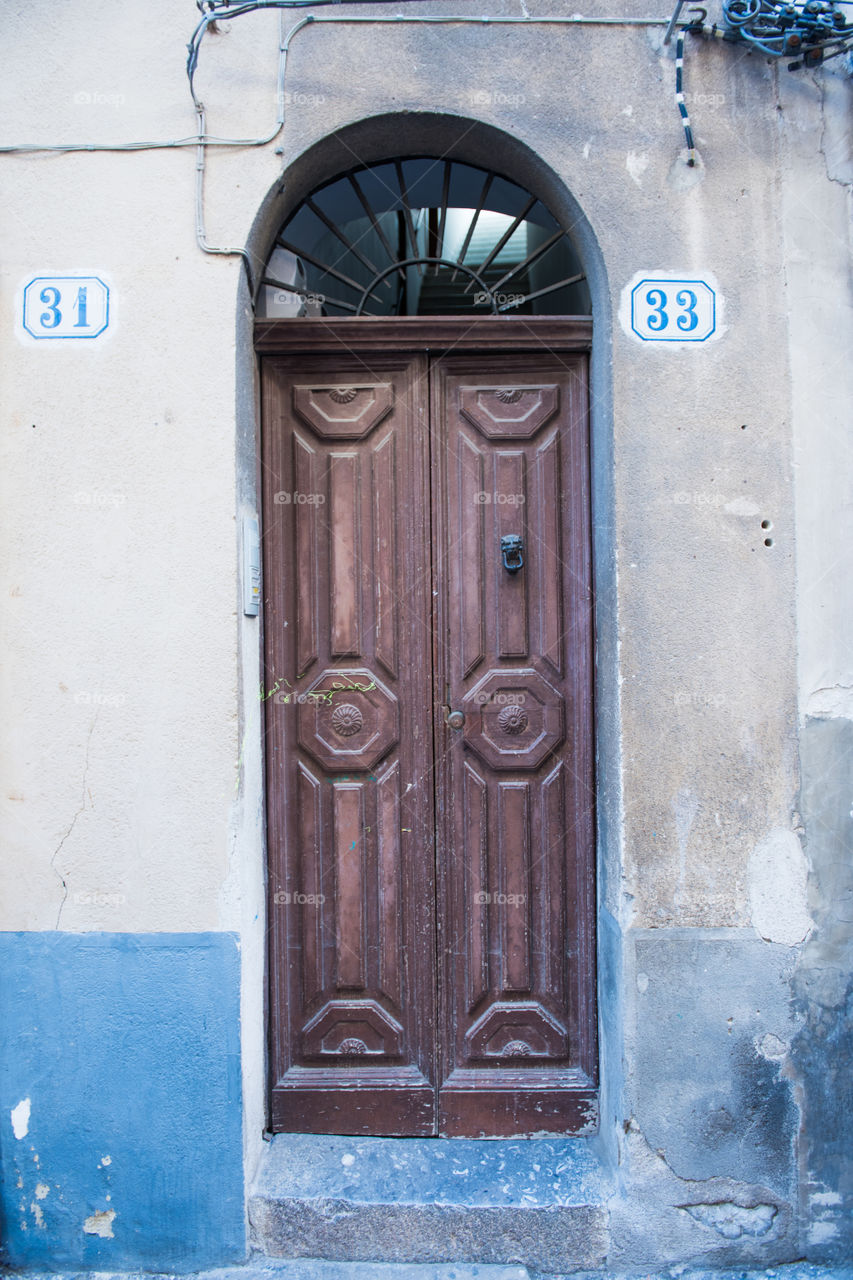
<point x="817" y="224"/>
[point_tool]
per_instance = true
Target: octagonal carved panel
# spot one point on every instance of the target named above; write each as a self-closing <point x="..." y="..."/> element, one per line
<point x="352" y="1029"/>
<point x="517" y="1031"/>
<point x="343" y="412"/>
<point x="354" y="726"/>
<point x="513" y="719"/>
<point x="509" y="413"/>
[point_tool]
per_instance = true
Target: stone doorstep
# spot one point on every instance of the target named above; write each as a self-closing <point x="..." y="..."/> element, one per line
<point x="304" y="1269"/>
<point x="539" y="1203"/>
<point x="261" y="1268"/>
<point x="322" y="1269"/>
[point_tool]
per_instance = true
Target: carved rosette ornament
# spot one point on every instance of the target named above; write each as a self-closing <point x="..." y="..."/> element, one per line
<point x="516" y="1049"/>
<point x="342" y="395"/>
<point x="513" y="719"/>
<point x="347" y="720"/>
<point x="509" y="395"/>
<point x="352" y="1046"/>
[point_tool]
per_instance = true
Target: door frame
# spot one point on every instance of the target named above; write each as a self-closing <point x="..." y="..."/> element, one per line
<point x="426" y="335"/>
<point x="421" y="333"/>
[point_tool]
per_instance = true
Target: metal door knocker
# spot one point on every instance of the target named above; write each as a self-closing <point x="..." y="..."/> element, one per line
<point x="511" y="550"/>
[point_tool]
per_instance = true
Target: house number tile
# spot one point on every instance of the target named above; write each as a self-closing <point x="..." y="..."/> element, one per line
<point x="65" y="307"/>
<point x="662" y="306"/>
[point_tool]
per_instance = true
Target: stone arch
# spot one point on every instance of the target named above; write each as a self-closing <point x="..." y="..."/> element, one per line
<point x="380" y="138"/>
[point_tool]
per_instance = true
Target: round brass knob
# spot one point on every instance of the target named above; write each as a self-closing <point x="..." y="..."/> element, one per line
<point x="456" y="719"/>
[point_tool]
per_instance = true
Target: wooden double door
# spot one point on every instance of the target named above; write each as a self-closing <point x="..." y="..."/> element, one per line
<point x="429" y="743"/>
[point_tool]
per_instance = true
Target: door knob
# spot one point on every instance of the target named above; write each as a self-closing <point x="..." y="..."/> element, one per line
<point x="512" y="552"/>
<point x="455" y="719"/>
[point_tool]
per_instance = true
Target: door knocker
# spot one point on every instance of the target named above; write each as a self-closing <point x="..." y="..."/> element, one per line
<point x="512" y="552"/>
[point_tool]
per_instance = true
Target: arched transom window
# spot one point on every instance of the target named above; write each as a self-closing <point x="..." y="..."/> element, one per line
<point x="422" y="237"/>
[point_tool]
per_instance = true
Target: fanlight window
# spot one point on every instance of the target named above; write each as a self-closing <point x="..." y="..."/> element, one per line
<point x="422" y="237"/>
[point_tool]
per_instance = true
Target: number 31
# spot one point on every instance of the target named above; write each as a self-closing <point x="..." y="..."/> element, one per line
<point x="51" y="297"/>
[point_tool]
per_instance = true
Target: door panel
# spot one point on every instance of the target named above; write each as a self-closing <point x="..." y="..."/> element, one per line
<point x="431" y="891"/>
<point x="349" y="748"/>
<point x="514" y="655"/>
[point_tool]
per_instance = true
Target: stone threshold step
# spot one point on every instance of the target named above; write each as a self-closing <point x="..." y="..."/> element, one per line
<point x="261" y="1268"/>
<point x="321" y="1269"/>
<point x="539" y="1203"/>
<point x="303" y="1269"/>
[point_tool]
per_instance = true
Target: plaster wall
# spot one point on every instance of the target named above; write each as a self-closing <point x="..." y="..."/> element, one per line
<point x="133" y="800"/>
<point x="816" y="218"/>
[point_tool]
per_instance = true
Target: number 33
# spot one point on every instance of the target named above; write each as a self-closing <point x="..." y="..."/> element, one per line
<point x="658" y="319"/>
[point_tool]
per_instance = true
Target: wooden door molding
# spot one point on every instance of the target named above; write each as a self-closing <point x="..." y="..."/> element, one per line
<point x="422" y="333"/>
<point x="431" y="887"/>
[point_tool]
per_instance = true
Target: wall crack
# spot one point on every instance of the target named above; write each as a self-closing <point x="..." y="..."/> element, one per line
<point x="73" y="822"/>
<point x="845" y="183"/>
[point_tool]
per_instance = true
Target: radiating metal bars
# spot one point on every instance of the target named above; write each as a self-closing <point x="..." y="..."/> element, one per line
<point x="409" y="252"/>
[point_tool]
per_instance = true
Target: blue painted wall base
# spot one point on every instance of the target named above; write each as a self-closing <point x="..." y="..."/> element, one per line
<point x="120" y="1101"/>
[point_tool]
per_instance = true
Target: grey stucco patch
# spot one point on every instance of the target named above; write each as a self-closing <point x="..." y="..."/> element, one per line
<point x="705" y="1095"/>
<point x="822" y="1052"/>
<point x="777" y="888"/>
<point x="733" y="1220"/>
<point x="661" y="1219"/>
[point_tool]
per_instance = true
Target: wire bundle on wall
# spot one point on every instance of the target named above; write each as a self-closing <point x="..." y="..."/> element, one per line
<point x="810" y="31"/>
<point x="814" y="30"/>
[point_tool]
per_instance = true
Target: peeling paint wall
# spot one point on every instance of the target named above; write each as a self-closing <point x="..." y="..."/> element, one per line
<point x="133" y="797"/>
<point x="126" y="1151"/>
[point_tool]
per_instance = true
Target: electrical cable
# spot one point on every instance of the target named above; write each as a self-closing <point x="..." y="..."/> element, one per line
<point x="811" y="28"/>
<point x="223" y="10"/>
<point x="739" y="14"/>
<point x="200" y="233"/>
<point x="679" y="98"/>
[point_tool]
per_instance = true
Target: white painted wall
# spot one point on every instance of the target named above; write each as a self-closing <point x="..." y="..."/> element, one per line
<point x="817" y="131"/>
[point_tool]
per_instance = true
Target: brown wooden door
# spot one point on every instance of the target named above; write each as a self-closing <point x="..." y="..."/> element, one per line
<point x="429" y="744"/>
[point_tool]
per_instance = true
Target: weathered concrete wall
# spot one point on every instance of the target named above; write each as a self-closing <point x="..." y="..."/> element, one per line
<point x="132" y="723"/>
<point x="818" y="137"/>
<point x="822" y="1051"/>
